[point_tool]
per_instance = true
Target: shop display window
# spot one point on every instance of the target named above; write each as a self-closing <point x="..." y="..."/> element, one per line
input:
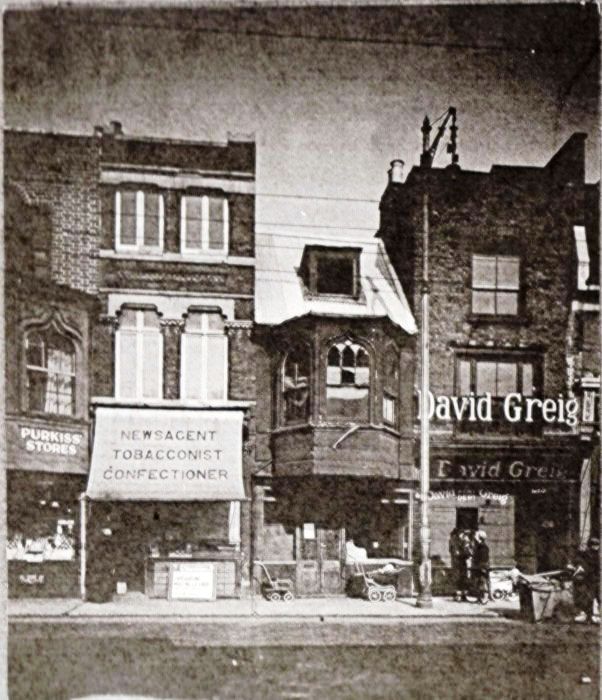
<point x="40" y="532"/>
<point x="348" y="381"/>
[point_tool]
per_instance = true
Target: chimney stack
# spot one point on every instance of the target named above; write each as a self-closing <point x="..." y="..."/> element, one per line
<point x="396" y="171"/>
<point x="116" y="128"/>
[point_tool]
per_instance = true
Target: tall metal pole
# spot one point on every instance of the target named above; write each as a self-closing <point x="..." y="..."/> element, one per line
<point x="424" y="599"/>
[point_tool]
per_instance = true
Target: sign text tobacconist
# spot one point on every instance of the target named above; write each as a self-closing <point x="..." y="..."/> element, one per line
<point x="507" y="469"/>
<point x="166" y="455"/>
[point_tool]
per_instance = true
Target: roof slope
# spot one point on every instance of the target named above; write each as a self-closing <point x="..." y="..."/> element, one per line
<point x="280" y="294"/>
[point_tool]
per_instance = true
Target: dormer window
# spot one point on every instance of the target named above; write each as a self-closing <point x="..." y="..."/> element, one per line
<point x="329" y="271"/>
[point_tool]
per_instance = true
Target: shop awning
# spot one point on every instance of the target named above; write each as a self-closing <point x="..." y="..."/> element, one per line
<point x="143" y="454"/>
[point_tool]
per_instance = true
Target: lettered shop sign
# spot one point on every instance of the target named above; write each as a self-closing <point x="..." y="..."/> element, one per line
<point x="192" y="581"/>
<point x="166" y="455"/>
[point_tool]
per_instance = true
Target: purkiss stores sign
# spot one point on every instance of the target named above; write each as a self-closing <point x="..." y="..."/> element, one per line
<point x="163" y="454"/>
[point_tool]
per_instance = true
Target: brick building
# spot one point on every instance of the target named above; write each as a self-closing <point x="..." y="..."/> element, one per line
<point x="502" y="269"/>
<point x="334" y="425"/>
<point x="50" y="225"/>
<point x="154" y="239"/>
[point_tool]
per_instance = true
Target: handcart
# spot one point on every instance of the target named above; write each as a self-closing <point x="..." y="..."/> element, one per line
<point x="372" y="589"/>
<point x="546" y="595"/>
<point x="276" y="588"/>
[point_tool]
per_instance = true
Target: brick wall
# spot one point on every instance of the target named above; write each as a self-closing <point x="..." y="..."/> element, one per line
<point x="59" y="174"/>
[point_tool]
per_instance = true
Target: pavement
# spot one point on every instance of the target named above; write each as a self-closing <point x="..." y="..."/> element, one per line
<point x="137" y="605"/>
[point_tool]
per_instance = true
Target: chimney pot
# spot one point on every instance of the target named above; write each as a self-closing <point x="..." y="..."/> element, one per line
<point x="116" y="128"/>
<point x="396" y="171"/>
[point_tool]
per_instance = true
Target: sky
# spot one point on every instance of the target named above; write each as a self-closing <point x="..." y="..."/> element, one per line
<point x="330" y="94"/>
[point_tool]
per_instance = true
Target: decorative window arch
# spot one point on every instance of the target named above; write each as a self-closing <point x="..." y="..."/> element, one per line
<point x="296" y="385"/>
<point x="348" y="381"/>
<point x="391" y="386"/>
<point x="51" y="359"/>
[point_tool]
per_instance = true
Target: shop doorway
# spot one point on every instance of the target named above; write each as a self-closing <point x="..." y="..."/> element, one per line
<point x="467" y="518"/>
<point x="319" y="556"/>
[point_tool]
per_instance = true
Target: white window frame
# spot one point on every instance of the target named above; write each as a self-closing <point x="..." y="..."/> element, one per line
<point x="494" y="287"/>
<point x="139" y="245"/>
<point x="140" y="331"/>
<point x="204" y="333"/>
<point x="204" y="248"/>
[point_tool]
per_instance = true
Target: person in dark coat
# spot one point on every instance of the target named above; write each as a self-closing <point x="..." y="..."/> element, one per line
<point x="587" y="581"/>
<point x="460" y="552"/>
<point x="480" y="564"/>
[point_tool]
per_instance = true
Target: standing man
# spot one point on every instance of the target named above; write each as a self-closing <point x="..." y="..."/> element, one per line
<point x="587" y="582"/>
<point x="480" y="566"/>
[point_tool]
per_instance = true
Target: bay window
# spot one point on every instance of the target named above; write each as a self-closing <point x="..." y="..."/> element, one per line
<point x="138" y="354"/>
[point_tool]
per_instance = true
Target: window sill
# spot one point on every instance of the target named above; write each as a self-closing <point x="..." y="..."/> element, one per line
<point x="160" y="256"/>
<point x="170" y="403"/>
<point x="514" y="320"/>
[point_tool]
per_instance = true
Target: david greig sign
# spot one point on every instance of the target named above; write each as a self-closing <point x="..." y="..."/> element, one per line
<point x="167" y="455"/>
<point x="508" y="468"/>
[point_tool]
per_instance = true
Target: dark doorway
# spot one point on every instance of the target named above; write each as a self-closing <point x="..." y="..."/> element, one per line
<point x="467" y="518"/>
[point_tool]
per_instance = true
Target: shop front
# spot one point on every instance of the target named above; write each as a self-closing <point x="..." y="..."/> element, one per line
<point x="163" y="503"/>
<point x="526" y="500"/>
<point x="47" y="468"/>
<point x="317" y="530"/>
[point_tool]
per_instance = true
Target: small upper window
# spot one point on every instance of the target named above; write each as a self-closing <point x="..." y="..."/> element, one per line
<point x="139" y="221"/>
<point x="204" y="224"/>
<point x="50" y="368"/>
<point x="331" y="271"/>
<point x="495" y="284"/>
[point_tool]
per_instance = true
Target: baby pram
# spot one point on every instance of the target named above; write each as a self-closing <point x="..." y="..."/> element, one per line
<point x="276" y="588"/>
<point x="372" y="589"/>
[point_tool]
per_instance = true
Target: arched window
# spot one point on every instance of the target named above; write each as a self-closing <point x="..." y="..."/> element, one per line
<point x="296" y="386"/>
<point x="348" y="381"/>
<point x="204" y="369"/>
<point x="390" y="386"/>
<point x="138" y="355"/>
<point x="50" y="372"/>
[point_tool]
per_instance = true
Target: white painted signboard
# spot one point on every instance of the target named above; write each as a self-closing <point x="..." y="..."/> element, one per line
<point x="166" y="455"/>
<point x="192" y="580"/>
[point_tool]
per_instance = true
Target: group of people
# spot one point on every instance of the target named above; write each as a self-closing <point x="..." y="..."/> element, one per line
<point x="469" y="554"/>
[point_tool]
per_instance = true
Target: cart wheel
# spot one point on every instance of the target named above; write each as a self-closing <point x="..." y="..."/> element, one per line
<point x="274" y="595"/>
<point x="564" y="613"/>
<point x="288" y="596"/>
<point x="373" y="595"/>
<point x="389" y="595"/>
<point x="497" y="594"/>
